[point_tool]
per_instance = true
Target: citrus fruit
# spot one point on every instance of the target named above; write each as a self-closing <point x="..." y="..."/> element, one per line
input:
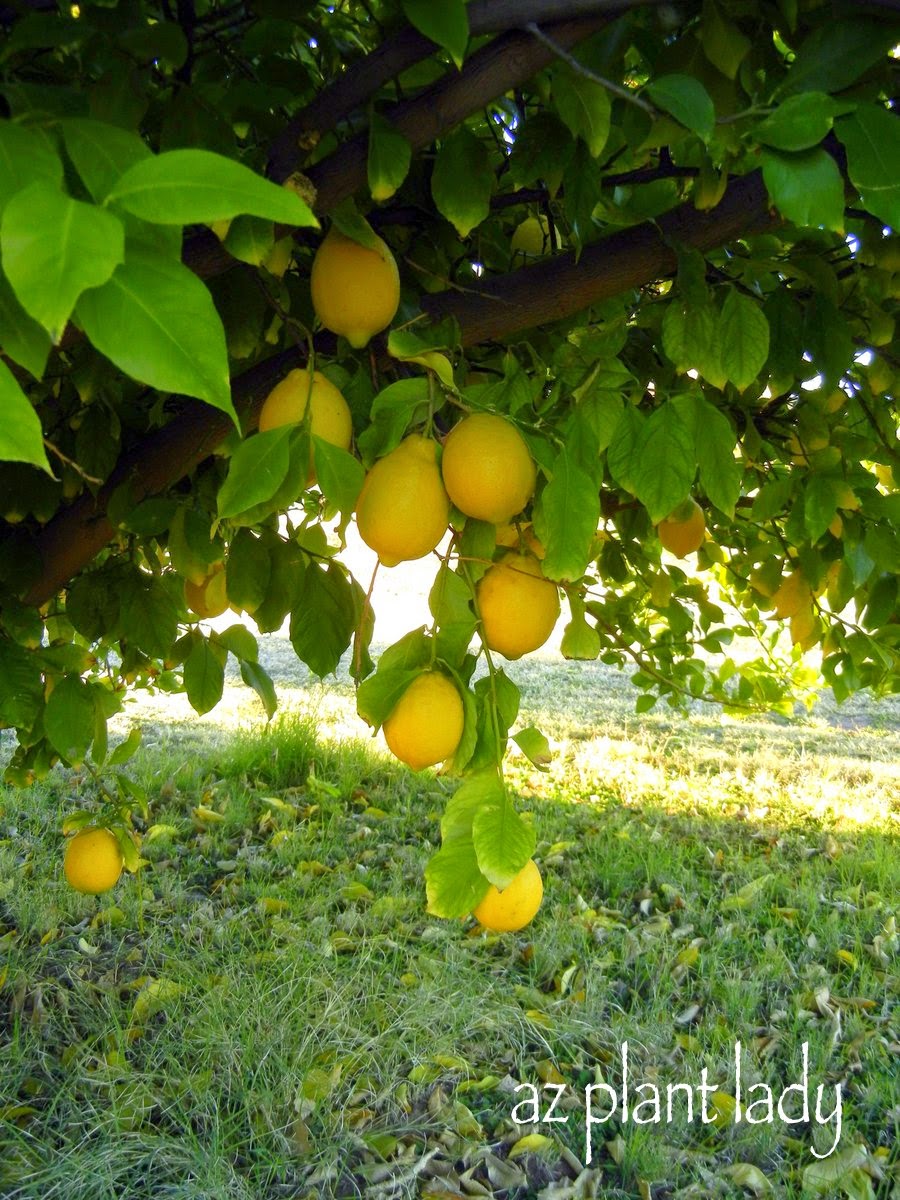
<point x="522" y="538"/>
<point x="92" y="862"/>
<point x="518" y="607"/>
<point x="355" y="290"/>
<point x="208" y="598"/>
<point x="329" y="416"/>
<point x="516" y="905"/>
<point x="531" y="237"/>
<point x="488" y="470"/>
<point x="682" y="532"/>
<point x="403" y="510"/>
<point x="426" y="723"/>
<point x="805" y="627"/>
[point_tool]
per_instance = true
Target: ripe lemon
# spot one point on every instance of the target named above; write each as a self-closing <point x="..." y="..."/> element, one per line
<point x="426" y="723"/>
<point x="488" y="470"/>
<point x="403" y="509"/>
<point x="208" y="598"/>
<point x="92" y="862"/>
<point x="522" y="538"/>
<point x="329" y="416"/>
<point x="516" y="905"/>
<point x="355" y="290"/>
<point x="683" y="531"/>
<point x="518" y="607"/>
<point x="792" y="595"/>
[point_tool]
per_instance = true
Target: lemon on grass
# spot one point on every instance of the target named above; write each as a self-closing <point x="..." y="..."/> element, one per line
<point x="92" y="862"/>
<point x="426" y="723"/>
<point x="516" y="905"/>
<point x="487" y="467"/>
<point x="208" y="598"/>
<point x="518" y="607"/>
<point x="355" y="290"/>
<point x="682" y="532"/>
<point x="329" y="416"/>
<point x="403" y="509"/>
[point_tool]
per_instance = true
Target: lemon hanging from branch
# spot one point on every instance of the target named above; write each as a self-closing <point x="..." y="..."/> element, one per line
<point x="355" y="288"/>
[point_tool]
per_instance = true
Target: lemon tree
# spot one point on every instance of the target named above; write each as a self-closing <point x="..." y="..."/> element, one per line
<point x="591" y="307"/>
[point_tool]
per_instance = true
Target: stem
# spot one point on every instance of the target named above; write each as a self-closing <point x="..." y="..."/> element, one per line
<point x="613" y="88"/>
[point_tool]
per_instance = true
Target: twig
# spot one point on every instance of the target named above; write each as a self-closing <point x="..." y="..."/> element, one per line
<point x="623" y="93"/>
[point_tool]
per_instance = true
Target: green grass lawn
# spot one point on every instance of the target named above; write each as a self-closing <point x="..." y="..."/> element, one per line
<point x="267" y="1011"/>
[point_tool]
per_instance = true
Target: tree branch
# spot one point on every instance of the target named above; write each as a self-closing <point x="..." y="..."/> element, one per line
<point x="506" y="305"/>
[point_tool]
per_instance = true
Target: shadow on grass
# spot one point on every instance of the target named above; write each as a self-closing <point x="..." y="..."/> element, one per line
<point x="267" y="1011"/>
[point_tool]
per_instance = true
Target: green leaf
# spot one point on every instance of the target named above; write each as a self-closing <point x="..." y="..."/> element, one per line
<point x="377" y="696"/>
<point x="324" y="618"/>
<point x="453" y="883"/>
<point x="186" y="187"/>
<point x="743" y="338"/>
<point x="462" y="181"/>
<point x="21" y="337"/>
<point x="534" y="746"/>
<point x="584" y="106"/>
<point x="805" y="187"/>
<point x="21" y="437"/>
<point x="580" y="641"/>
<point x="839" y="52"/>
<point x="821" y="496"/>
<point x="204" y="676"/>
<point x="126" y="749"/>
<point x="714" y="442"/>
<point x="55" y="247"/>
<point x="503" y="841"/>
<point x="27" y="156"/>
<point x="449" y="604"/>
<point x="286" y="572"/>
<point x="582" y="186"/>
<point x="21" y="686"/>
<point x="101" y="152"/>
<point x="664" y="462"/>
<point x="239" y="641"/>
<point x="566" y="519"/>
<point x="723" y="43"/>
<point x="482" y="790"/>
<point x="247" y="570"/>
<point x="256" y="470"/>
<point x="250" y="239"/>
<point x="148" y="615"/>
<point x="391" y="415"/>
<point x="799" y="123"/>
<point x="446" y="24"/>
<point x="687" y="100"/>
<point x="339" y="475"/>
<point x="258" y="678"/>
<point x="621" y="457"/>
<point x="690" y="337"/>
<point x="871" y="136"/>
<point x="69" y="719"/>
<point x="389" y="157"/>
<point x="156" y="321"/>
<point x="541" y="152"/>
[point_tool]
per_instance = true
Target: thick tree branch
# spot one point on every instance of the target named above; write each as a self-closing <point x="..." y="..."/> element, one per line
<point x="506" y="305"/>
<point x="350" y="91"/>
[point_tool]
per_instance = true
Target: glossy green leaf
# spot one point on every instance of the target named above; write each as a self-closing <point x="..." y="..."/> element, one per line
<point x="503" y="841"/>
<point x="805" y="187"/>
<point x="27" y="156"/>
<point x="184" y="187"/>
<point x="339" y="475"/>
<point x="258" y="678"/>
<point x="69" y="719"/>
<point x="664" y="462"/>
<point x="101" y="152"/>
<point x="320" y="644"/>
<point x="799" y="123"/>
<point x="446" y="24"/>
<point x="453" y="883"/>
<point x="743" y="338"/>
<point x="839" y="51"/>
<point x="389" y="157"/>
<point x="871" y="136"/>
<point x="584" y="107"/>
<point x="247" y="570"/>
<point x="21" y="337"/>
<point x="156" y="321"/>
<point x="566" y="518"/>
<point x="21" y="437"/>
<point x="256" y="471"/>
<point x="204" y="676"/>
<point x="687" y="100"/>
<point x="462" y="181"/>
<point x="55" y="247"/>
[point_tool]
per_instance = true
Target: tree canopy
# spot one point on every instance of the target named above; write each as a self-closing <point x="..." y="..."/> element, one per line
<point x="656" y="237"/>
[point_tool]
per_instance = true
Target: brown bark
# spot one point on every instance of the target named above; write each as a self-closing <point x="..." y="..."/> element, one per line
<point x="508" y="304"/>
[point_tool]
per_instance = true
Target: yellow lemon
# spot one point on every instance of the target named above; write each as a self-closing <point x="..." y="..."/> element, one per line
<point x="518" y="607"/>
<point x="791" y="595"/>
<point x="683" y="531"/>
<point x="516" y="905"/>
<point x="487" y="467"/>
<point x="531" y="237"/>
<point x="426" y="723"/>
<point x="92" y="862"/>
<point x="355" y="290"/>
<point x="403" y="510"/>
<point x="329" y="416"/>
<point x="208" y="598"/>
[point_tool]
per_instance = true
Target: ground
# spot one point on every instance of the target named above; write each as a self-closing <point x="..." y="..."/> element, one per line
<point x="269" y="1012"/>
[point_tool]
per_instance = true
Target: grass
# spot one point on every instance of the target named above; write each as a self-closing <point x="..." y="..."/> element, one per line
<point x="268" y="1012"/>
